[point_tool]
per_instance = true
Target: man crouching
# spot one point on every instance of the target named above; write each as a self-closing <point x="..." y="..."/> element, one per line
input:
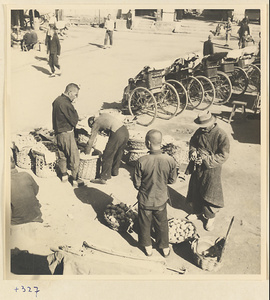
<point x="152" y="174"/>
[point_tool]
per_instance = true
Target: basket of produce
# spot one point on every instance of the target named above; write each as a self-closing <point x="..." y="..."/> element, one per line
<point x="119" y="217"/>
<point x="88" y="166"/>
<point x="136" y="140"/>
<point x="134" y="155"/>
<point x="179" y="153"/>
<point x="45" y="154"/>
<point x="24" y="158"/>
<point x="206" y="254"/>
<point x="24" y="141"/>
<point x="180" y="230"/>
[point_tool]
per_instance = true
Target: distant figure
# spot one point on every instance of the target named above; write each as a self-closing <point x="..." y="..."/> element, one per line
<point x="228" y="29"/>
<point x="129" y="19"/>
<point x="217" y="31"/>
<point x="29" y="40"/>
<point x="208" y="47"/>
<point x="53" y="48"/>
<point x="25" y="207"/>
<point x="243" y="32"/>
<point x="109" y="26"/>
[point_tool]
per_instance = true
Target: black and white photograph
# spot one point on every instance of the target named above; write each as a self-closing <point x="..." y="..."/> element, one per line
<point x="135" y="140"/>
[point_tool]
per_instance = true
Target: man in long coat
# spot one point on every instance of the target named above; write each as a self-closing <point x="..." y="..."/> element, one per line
<point x="209" y="149"/>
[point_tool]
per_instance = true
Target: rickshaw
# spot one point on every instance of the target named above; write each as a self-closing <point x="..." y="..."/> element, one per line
<point x="148" y="95"/>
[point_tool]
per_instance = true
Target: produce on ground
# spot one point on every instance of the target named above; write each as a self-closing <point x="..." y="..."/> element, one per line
<point x="180" y="230"/>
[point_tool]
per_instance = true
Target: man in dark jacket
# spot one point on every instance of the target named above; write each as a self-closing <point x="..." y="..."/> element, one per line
<point x="208" y="47"/>
<point x="65" y="118"/>
<point x="53" y="48"/>
<point x="209" y="149"/>
<point x="152" y="174"/>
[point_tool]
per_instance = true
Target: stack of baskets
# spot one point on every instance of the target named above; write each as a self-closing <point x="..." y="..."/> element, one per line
<point x="43" y="167"/>
<point x="136" y="147"/>
<point x="88" y="167"/>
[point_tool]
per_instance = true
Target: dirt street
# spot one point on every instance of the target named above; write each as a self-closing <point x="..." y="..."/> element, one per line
<point x="71" y="216"/>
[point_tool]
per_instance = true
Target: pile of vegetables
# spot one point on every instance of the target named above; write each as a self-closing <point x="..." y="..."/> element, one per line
<point x="119" y="216"/>
<point x="180" y="230"/>
<point x="179" y="153"/>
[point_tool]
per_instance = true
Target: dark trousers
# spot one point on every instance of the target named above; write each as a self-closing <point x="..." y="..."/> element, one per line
<point x="108" y="35"/>
<point x="129" y="24"/>
<point x="68" y="153"/>
<point x="53" y="62"/>
<point x="113" y="153"/>
<point x="160" y="222"/>
<point x="200" y="206"/>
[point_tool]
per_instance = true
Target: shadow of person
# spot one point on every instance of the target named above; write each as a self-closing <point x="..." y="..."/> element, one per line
<point x="97" y="45"/>
<point x="41" y="69"/>
<point x="96" y="198"/>
<point x="184" y="251"/>
<point x="25" y="263"/>
<point x="41" y="58"/>
<point x="178" y="201"/>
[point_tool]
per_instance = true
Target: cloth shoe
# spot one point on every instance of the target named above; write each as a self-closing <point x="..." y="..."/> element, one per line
<point x="209" y="225"/>
<point x="77" y="183"/>
<point x="148" y="250"/>
<point x="99" y="180"/>
<point x="64" y="178"/>
<point x="52" y="75"/>
<point x="166" y="252"/>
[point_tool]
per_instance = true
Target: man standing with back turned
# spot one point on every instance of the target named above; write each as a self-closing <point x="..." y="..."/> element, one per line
<point x="65" y="118"/>
<point x="152" y="174"/>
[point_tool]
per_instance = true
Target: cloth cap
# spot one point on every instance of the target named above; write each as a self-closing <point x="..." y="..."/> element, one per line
<point x="205" y="119"/>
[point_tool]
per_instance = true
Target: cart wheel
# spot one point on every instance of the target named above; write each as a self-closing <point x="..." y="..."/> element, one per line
<point x="143" y="106"/>
<point x="182" y="93"/>
<point x="195" y="91"/>
<point x="254" y="78"/>
<point x="167" y="101"/>
<point x="223" y="88"/>
<point x="209" y="92"/>
<point x="239" y="81"/>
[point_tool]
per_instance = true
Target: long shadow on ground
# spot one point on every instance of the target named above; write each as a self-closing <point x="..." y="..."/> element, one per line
<point x="97" y="45"/>
<point x="178" y="201"/>
<point x="39" y="58"/>
<point x="41" y="69"/>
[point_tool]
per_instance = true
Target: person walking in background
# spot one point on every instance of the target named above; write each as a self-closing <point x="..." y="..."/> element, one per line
<point x="208" y="47"/>
<point x="209" y="149"/>
<point x="53" y="48"/>
<point x="129" y="20"/>
<point x="228" y="29"/>
<point x="243" y="33"/>
<point x="118" y="138"/>
<point x="109" y="26"/>
<point x="65" y="118"/>
<point x="152" y="174"/>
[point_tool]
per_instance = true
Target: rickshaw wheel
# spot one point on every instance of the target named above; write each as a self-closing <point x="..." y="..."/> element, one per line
<point x="223" y="88"/>
<point x="209" y="92"/>
<point x="143" y="106"/>
<point x="239" y="81"/>
<point x="167" y="101"/>
<point x="254" y="78"/>
<point x="182" y="93"/>
<point x="195" y="91"/>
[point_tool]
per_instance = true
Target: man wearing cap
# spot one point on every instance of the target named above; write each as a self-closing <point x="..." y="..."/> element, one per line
<point x="209" y="149"/>
<point x="65" y="118"/>
<point x="118" y="138"/>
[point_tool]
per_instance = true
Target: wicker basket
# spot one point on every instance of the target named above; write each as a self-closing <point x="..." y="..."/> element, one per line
<point x="23" y="158"/>
<point x="205" y="263"/>
<point x="88" y="168"/>
<point x="114" y="225"/>
<point x="175" y="237"/>
<point x="43" y="169"/>
<point x="134" y="155"/>
<point x="136" y="144"/>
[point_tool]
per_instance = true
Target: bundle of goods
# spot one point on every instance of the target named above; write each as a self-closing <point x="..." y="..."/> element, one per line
<point x="207" y="254"/>
<point x="180" y="230"/>
<point x="45" y="154"/>
<point x="177" y="151"/>
<point x="136" y="146"/>
<point x="88" y="166"/>
<point x="119" y="217"/>
<point x="22" y="144"/>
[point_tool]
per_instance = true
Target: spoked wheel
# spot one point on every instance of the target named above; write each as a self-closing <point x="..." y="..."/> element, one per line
<point x="182" y="93"/>
<point x="167" y="101"/>
<point x="209" y="92"/>
<point x="239" y="81"/>
<point x="223" y="88"/>
<point x="143" y="106"/>
<point x="254" y="78"/>
<point x="195" y="91"/>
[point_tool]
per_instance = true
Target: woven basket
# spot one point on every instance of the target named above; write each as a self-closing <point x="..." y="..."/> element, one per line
<point x="134" y="155"/>
<point x="116" y="226"/>
<point x="175" y="237"/>
<point x="136" y="144"/>
<point x="23" y="158"/>
<point x="88" y="168"/>
<point x="43" y="169"/>
<point x="205" y="263"/>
